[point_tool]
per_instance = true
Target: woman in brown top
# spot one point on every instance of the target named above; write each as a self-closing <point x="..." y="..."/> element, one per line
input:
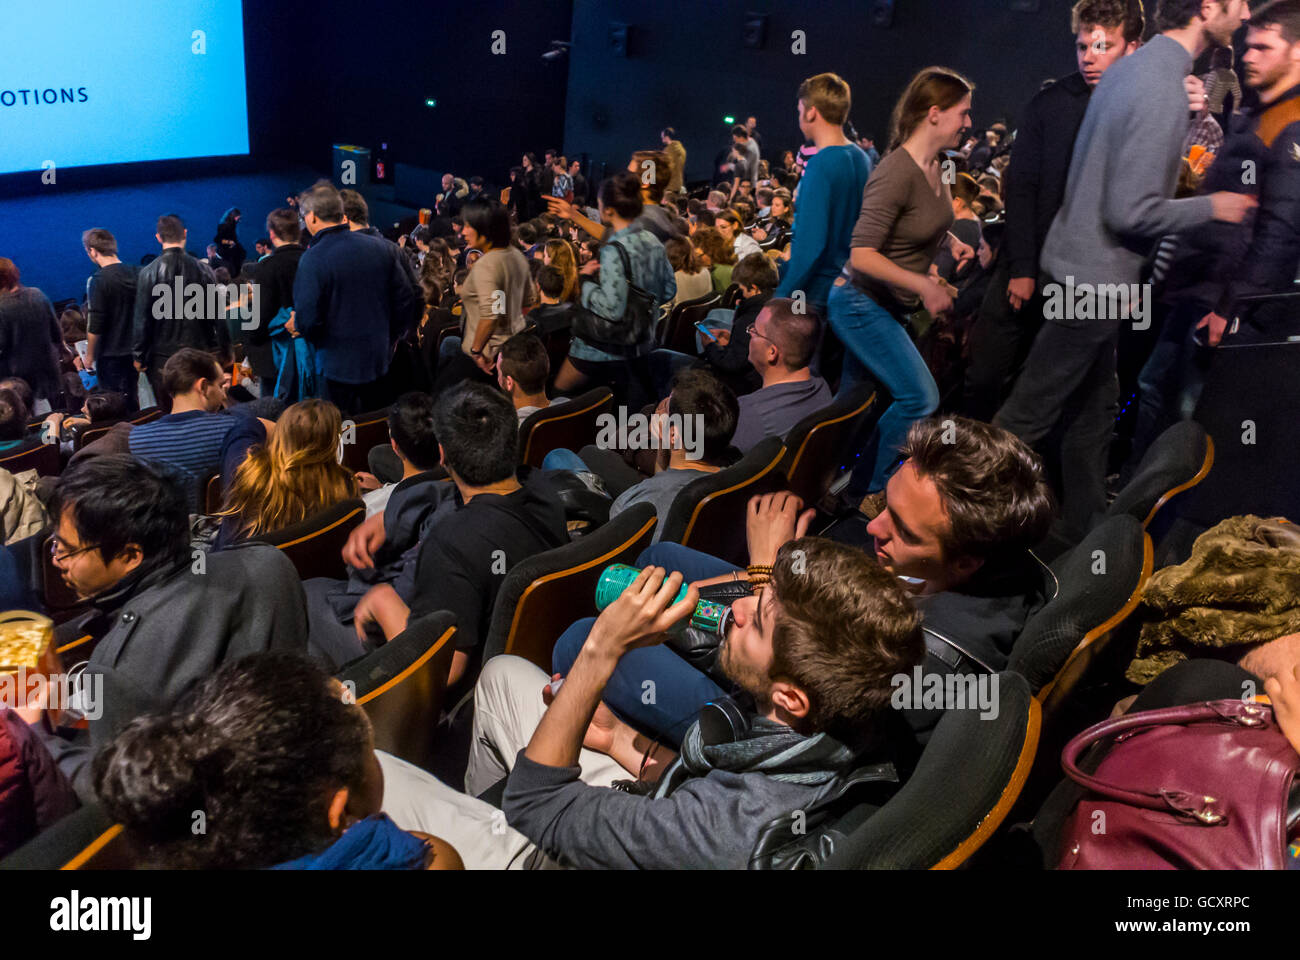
<point x="906" y="213"/>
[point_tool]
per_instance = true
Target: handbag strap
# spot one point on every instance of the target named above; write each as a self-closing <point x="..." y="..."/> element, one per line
<point x="1236" y="712"/>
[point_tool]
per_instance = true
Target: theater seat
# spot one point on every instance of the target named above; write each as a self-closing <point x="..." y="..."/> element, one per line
<point x="147" y="415"/>
<point x="1179" y="459"/>
<point x="86" y="435"/>
<point x="1100" y="583"/>
<point x="569" y="426"/>
<point x="1068" y="650"/>
<point x="83" y="840"/>
<point x="679" y="329"/>
<point x="815" y="447"/>
<point x="967" y="780"/>
<point x="544" y="594"/>
<point x="316" y="544"/>
<point x="708" y="514"/>
<point x="41" y="457"/>
<point x="368" y="429"/>
<point x="401" y="687"/>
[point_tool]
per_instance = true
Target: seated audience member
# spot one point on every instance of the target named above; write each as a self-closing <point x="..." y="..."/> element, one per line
<point x="728" y="354"/>
<point x="291" y="477"/>
<point x="13" y="423"/>
<point x="554" y="313"/>
<point x="959" y="520"/>
<point x="781" y="346"/>
<point x="717" y="254"/>
<point x="396" y="522"/>
<point x="497" y="523"/>
<point x="100" y="407"/>
<point x="693" y="278"/>
<point x="34" y="793"/>
<point x="281" y="762"/>
<point x="691" y="432"/>
<point x="773" y="231"/>
<point x="197" y="439"/>
<point x="523" y="368"/>
<point x="162" y="618"/>
<point x="411" y="451"/>
<point x="730" y="225"/>
<point x="814" y="653"/>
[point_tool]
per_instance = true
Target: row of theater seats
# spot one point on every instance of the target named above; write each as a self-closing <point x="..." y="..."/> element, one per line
<point x="975" y="774"/>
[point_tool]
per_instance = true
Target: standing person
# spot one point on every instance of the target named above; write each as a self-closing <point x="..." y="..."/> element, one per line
<point x="110" y="294"/>
<point x="579" y="182"/>
<point x="677" y="155"/>
<point x="751" y="124"/>
<point x="1216" y="267"/>
<point x="227" y="241"/>
<point x="829" y="193"/>
<point x="352" y="299"/>
<point x="743" y="160"/>
<point x="30" y="339"/>
<point x="162" y="324"/>
<point x="604" y="301"/>
<point x="1105" y="31"/>
<point x="268" y="340"/>
<point x="1118" y="203"/>
<point x="906" y="213"/>
<point x="496" y="292"/>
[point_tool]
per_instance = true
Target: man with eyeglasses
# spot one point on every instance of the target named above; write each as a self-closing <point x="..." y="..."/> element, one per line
<point x="162" y="616"/>
<point x="781" y="347"/>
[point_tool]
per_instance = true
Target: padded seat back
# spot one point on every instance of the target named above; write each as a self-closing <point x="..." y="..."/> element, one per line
<point x="544" y="594"/>
<point x="368" y="430"/>
<point x="83" y="840"/>
<point x="679" y="329"/>
<point x="708" y="514"/>
<point x="569" y="426"/>
<point x="316" y="544"/>
<point x="401" y="686"/>
<point x="815" y="447"/>
<point x="1179" y="459"/>
<point x="41" y="457"/>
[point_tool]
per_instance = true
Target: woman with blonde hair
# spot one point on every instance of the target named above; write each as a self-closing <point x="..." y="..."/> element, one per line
<point x="292" y="476"/>
<point x="559" y="254"/>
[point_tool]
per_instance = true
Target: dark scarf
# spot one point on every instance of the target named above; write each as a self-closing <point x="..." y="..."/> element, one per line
<point x="766" y="747"/>
<point x="107" y="604"/>
<point x="375" y="843"/>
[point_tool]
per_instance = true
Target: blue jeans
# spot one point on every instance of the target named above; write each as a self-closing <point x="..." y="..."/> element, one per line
<point x="561" y="459"/>
<point x="877" y="344"/>
<point x="674" y="689"/>
<point x="1171" y="382"/>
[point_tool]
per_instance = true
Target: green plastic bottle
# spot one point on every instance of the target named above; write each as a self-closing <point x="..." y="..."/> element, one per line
<point x="709" y="616"/>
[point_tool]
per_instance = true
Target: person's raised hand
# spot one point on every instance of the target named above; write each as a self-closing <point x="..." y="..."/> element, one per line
<point x="773" y="520"/>
<point x="363" y="542"/>
<point x="936" y="299"/>
<point x="1216" y="325"/>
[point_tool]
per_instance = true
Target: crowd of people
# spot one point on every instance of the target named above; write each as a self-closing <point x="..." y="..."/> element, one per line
<point x="958" y="269"/>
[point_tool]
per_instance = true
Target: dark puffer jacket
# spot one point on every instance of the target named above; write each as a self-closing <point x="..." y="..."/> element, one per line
<point x="33" y="791"/>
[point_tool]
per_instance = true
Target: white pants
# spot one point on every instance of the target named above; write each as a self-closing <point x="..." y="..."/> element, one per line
<point x="507" y="708"/>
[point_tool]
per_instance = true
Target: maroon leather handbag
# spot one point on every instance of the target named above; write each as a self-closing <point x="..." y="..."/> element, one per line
<point x="1205" y="786"/>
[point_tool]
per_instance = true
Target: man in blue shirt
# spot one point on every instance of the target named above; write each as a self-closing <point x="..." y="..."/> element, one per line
<point x="830" y="193"/>
<point x="352" y="300"/>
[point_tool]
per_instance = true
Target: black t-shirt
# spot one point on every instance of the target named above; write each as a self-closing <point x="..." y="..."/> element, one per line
<point x="465" y="557"/>
<point x="111" y="292"/>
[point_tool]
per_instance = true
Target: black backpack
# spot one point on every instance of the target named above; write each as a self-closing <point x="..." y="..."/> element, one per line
<point x="621" y="335"/>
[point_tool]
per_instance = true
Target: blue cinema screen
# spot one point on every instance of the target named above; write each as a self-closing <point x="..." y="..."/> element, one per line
<point x="85" y="83"/>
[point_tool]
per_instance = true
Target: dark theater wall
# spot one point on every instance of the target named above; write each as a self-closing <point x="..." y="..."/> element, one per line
<point x="688" y="66"/>
<point x="360" y="72"/>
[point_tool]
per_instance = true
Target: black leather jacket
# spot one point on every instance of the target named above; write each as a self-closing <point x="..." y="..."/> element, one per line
<point x="161" y="326"/>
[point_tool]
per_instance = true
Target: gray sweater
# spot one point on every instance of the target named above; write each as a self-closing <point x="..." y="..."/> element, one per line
<point x="711" y="821"/>
<point x="1124" y="171"/>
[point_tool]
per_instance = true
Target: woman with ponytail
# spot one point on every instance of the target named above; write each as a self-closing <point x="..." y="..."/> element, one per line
<point x="905" y="216"/>
<point x="278" y="766"/>
<point x="291" y="477"/>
